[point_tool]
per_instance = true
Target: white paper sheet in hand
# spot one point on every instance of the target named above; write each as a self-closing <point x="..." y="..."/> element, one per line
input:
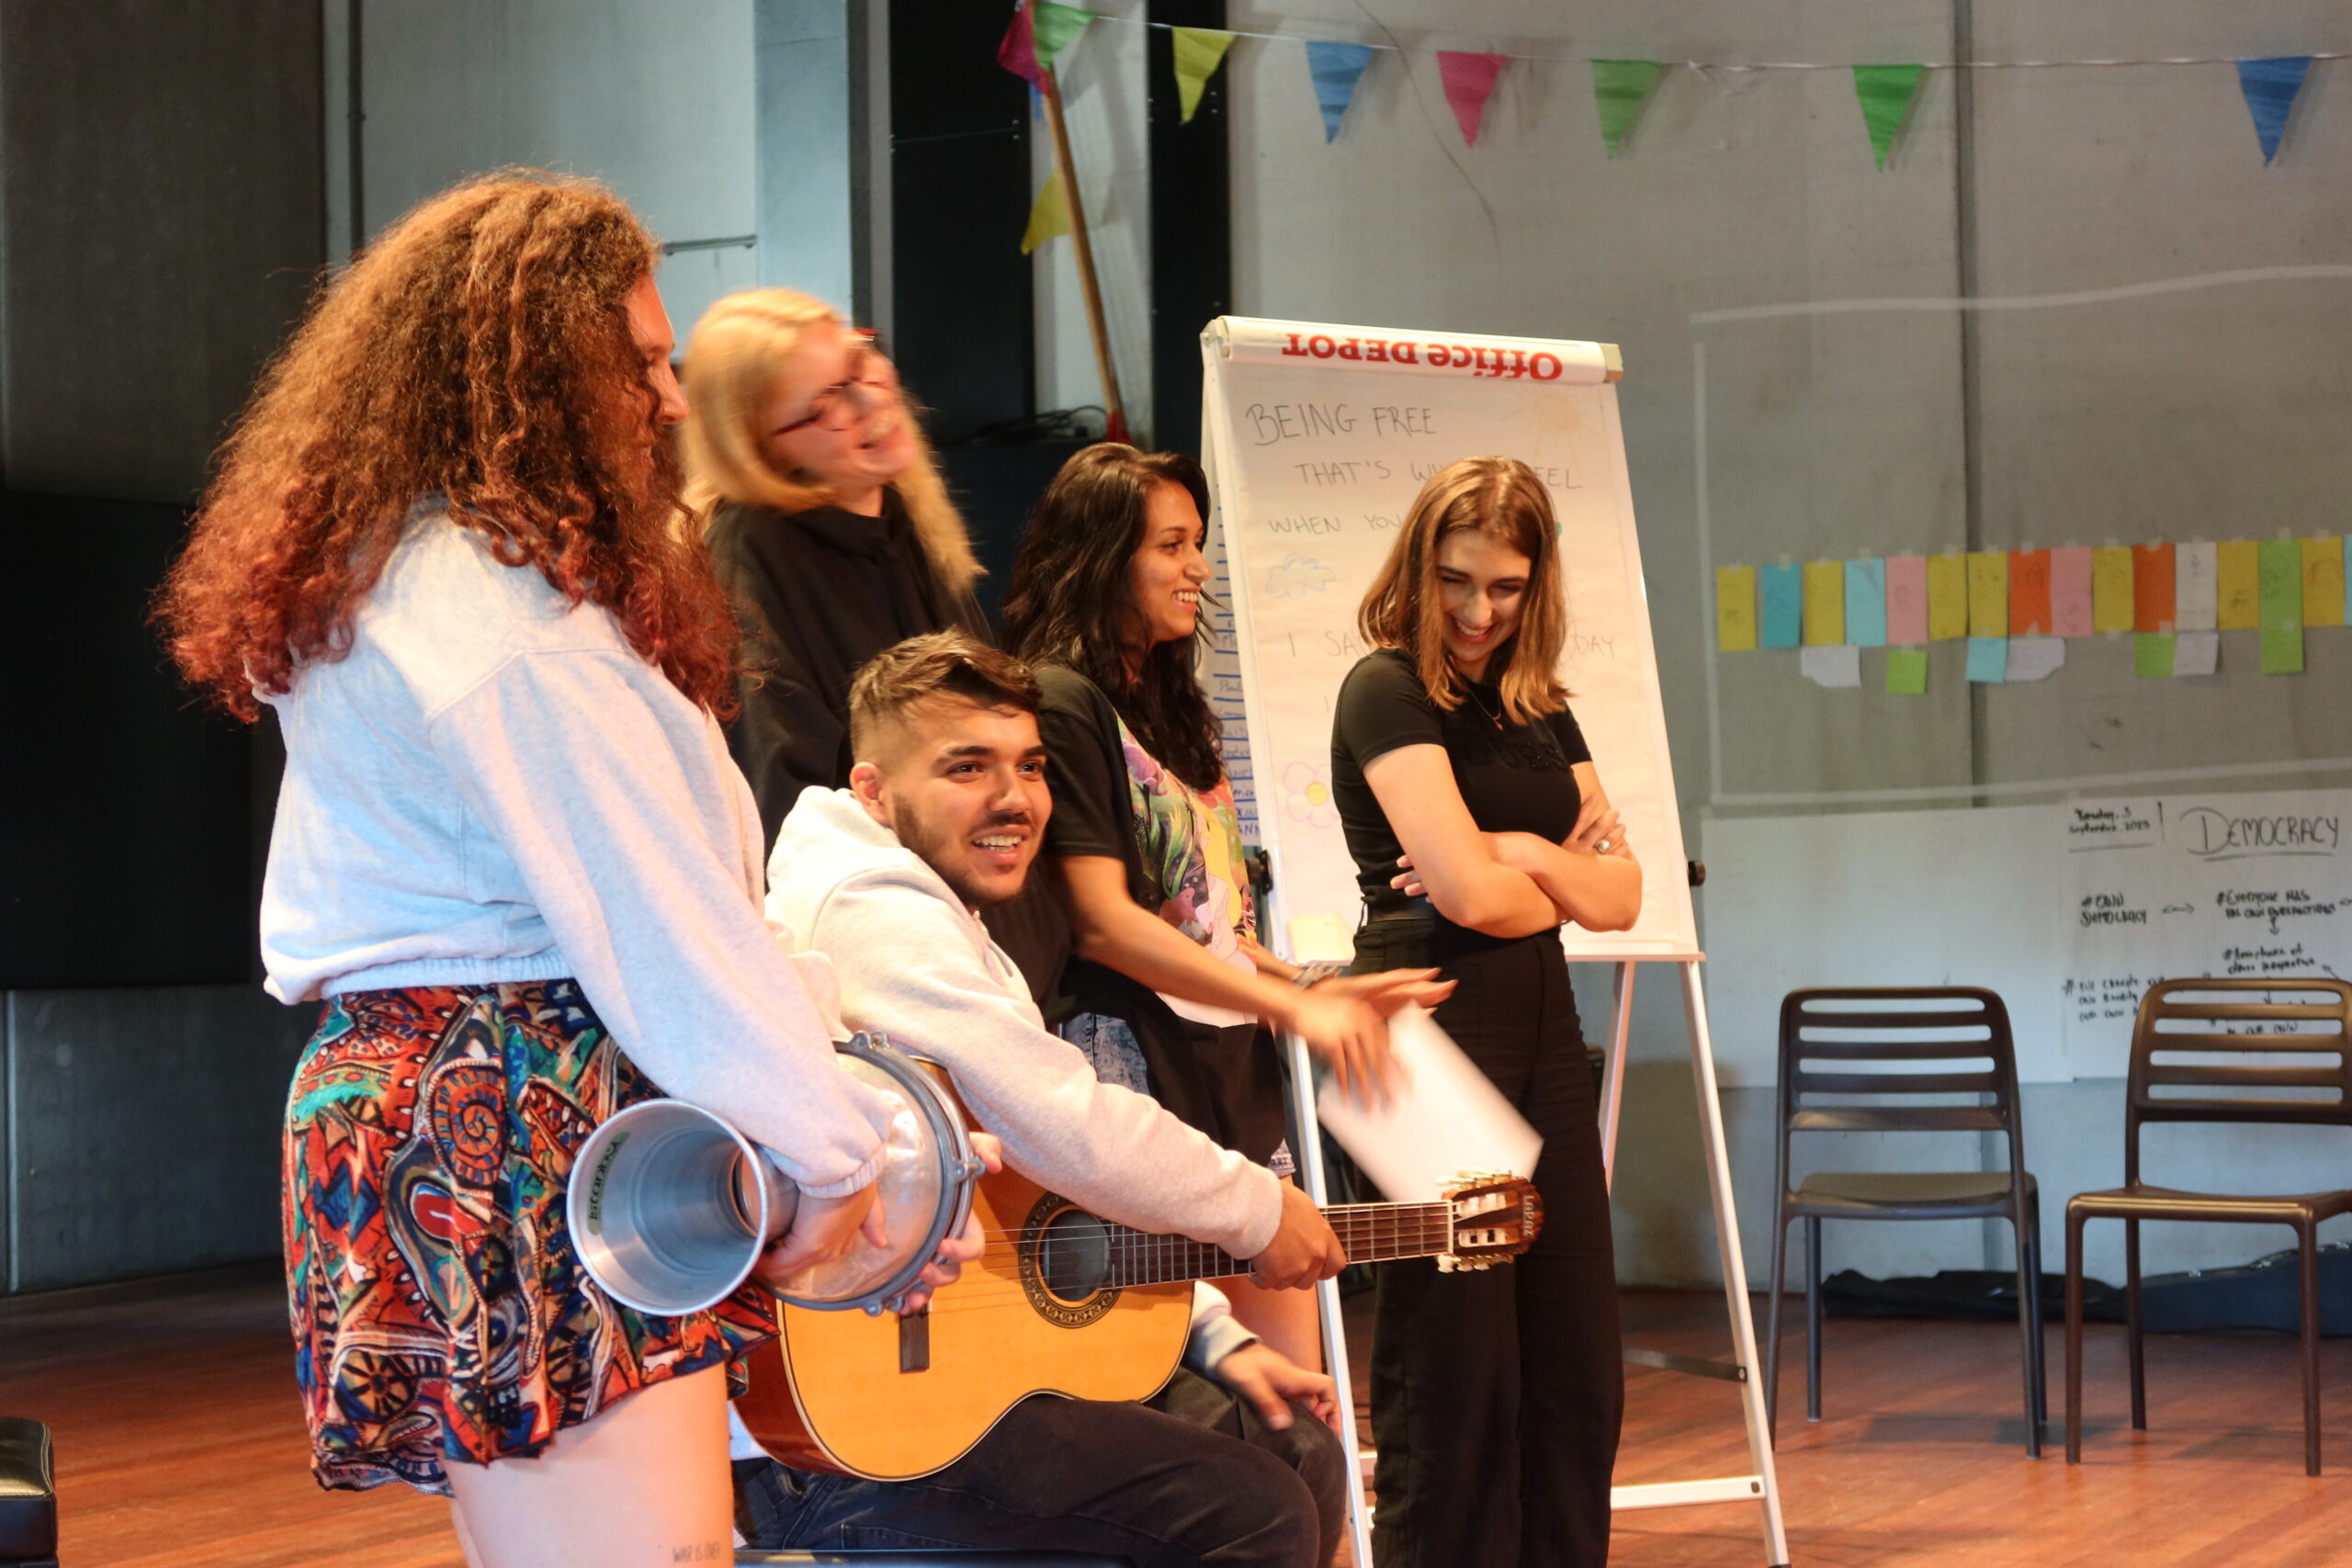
<point x="1447" y="1117"/>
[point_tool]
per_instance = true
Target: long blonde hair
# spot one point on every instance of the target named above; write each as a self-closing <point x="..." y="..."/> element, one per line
<point x="732" y="360"/>
<point x="1501" y="497"/>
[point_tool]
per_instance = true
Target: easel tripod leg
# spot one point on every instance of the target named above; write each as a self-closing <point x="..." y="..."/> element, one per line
<point x="1309" y="1155"/>
<point x="1735" y="1267"/>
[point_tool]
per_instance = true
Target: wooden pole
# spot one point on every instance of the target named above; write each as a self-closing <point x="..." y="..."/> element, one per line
<point x="1089" y="288"/>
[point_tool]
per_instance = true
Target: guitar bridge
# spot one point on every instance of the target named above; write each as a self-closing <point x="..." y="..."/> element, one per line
<point x="914" y="1341"/>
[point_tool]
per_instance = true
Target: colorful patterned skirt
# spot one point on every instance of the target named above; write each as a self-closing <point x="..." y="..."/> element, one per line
<point x="439" y="1311"/>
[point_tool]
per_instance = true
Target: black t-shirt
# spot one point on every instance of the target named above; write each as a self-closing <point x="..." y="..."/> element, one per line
<point x="818" y="595"/>
<point x="1515" y="778"/>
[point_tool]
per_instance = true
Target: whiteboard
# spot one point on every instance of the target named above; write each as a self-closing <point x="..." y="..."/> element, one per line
<point x="1881" y="898"/>
<point x="2071" y="911"/>
<point x="1317" y="438"/>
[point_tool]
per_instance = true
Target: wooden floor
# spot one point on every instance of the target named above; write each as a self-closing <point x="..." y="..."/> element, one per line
<point x="1919" y="1462"/>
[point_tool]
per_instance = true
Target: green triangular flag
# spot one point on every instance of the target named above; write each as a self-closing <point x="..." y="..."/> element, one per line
<point x="1054" y="26"/>
<point x="1618" y="88"/>
<point x="1887" y="92"/>
<point x="1199" y="51"/>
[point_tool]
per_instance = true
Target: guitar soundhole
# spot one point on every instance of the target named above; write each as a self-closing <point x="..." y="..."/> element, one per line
<point x="1065" y="1262"/>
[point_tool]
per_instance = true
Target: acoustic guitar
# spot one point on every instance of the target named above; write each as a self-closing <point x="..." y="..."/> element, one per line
<point x="1061" y="1302"/>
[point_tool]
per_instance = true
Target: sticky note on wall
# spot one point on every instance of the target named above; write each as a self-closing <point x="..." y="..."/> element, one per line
<point x="2282" y="607"/>
<point x="1988" y="659"/>
<point x="2151" y="590"/>
<point x="2112" y="605"/>
<point x="1825" y="604"/>
<point x="2237" y="577"/>
<point x="1866" y="603"/>
<point x="1988" y="594"/>
<point x="1779" y="598"/>
<point x="1906" y="671"/>
<point x="2070" y="590"/>
<point x="1734" y="608"/>
<point x="1906" y="600"/>
<point x="2195" y="583"/>
<point x="2028" y="593"/>
<point x="2324" y="582"/>
<point x="1947" y="596"/>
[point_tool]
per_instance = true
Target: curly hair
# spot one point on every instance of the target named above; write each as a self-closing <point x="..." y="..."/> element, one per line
<point x="1070" y="602"/>
<point x="480" y="349"/>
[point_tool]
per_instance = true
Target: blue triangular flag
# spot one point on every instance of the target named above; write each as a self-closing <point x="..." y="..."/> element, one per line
<point x="1336" y="68"/>
<point x="2270" y="86"/>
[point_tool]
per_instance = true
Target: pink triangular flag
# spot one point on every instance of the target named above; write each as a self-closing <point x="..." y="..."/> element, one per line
<point x="1017" y="52"/>
<point x="1469" y="81"/>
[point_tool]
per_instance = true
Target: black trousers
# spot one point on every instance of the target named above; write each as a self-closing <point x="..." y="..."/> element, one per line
<point x="1497" y="1396"/>
<point x="1192" y="1478"/>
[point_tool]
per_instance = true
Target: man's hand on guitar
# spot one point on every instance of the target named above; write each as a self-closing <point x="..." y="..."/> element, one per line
<point x="1303" y="1249"/>
<point x="1269" y="1381"/>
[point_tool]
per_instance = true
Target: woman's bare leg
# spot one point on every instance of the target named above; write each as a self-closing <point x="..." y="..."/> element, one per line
<point x="643" y="1485"/>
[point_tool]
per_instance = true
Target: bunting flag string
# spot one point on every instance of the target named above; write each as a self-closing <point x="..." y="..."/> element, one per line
<point x="1041" y="29"/>
<point x="1335" y="69"/>
<point x="1199" y="51"/>
<point x="1618" y="89"/>
<point x="1469" y="81"/>
<point x="2270" y="87"/>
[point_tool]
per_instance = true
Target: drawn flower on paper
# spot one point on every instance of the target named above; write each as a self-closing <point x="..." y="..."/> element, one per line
<point x="1296" y="577"/>
<point x="1306" y="796"/>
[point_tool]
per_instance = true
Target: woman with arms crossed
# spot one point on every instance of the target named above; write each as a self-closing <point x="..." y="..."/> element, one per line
<point x="1168" y="984"/>
<point x="513" y="856"/>
<point x="1478" y="825"/>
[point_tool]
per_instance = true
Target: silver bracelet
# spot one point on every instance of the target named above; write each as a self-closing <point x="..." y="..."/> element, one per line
<point x="1312" y="974"/>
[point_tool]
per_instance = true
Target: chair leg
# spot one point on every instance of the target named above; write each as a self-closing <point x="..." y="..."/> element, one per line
<point x="2029" y="1329"/>
<point x="1772" y="1323"/>
<point x="1812" y="1317"/>
<point x="2134" y="1340"/>
<point x="2073" y="1336"/>
<point x="2307" y="1239"/>
<point x="2041" y="1345"/>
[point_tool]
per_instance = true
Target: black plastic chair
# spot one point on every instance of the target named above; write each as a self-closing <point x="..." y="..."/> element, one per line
<point x="2243" y="1088"/>
<point x="1897" y="1059"/>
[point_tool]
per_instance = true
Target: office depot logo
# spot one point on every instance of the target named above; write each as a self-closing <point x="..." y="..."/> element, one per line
<point x="1507" y="364"/>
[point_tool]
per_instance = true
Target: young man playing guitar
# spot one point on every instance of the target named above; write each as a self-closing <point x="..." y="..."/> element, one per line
<point x="946" y="807"/>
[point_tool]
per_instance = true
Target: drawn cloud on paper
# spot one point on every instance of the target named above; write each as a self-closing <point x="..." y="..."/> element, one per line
<point x="1306" y="796"/>
<point x="1296" y="577"/>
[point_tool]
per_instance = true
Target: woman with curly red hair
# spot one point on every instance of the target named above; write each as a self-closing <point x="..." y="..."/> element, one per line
<point x="513" y="858"/>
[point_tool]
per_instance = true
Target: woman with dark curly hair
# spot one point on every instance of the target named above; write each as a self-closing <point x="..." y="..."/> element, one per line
<point x="513" y="858"/>
<point x="1170" y="988"/>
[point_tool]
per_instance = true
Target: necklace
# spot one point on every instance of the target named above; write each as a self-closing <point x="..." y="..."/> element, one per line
<point x="1494" y="715"/>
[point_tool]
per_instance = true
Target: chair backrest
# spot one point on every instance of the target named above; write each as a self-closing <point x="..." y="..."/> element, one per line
<point x="1865" y="1059"/>
<point x="2252" y="1049"/>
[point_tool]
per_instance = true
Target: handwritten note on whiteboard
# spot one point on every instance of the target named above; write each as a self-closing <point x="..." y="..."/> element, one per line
<point x="1317" y="439"/>
<point x="2238" y="884"/>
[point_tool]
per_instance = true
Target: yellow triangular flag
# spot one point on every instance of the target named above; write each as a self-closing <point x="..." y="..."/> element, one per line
<point x="1199" y="51"/>
<point x="1049" y="215"/>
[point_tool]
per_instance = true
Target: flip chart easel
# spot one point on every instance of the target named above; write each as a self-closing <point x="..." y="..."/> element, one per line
<point x="1316" y="437"/>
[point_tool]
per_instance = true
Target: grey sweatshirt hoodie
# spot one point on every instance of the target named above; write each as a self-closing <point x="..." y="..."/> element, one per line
<point x="916" y="965"/>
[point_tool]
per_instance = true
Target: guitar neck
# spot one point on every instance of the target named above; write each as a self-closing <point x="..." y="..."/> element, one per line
<point x="1372" y="1233"/>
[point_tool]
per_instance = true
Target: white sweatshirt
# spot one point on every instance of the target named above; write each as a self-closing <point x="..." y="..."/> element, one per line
<point x="918" y="966"/>
<point x="493" y="785"/>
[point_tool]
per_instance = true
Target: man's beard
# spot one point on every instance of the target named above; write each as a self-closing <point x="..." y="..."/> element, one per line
<point x="943" y="851"/>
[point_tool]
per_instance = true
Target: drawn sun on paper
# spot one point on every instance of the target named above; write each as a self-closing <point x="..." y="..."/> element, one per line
<point x="1306" y="796"/>
<point x="1296" y="577"/>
